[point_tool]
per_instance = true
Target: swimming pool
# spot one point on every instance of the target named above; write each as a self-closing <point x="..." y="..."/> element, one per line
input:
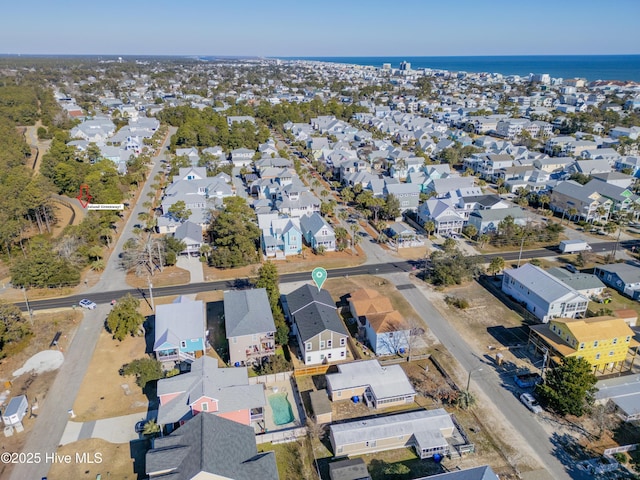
<point x="281" y="407"/>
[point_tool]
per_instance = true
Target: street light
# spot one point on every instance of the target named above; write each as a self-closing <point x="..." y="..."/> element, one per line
<point x="477" y="369"/>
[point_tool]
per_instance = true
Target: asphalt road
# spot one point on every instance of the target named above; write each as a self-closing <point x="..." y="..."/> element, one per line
<point x="105" y="295"/>
<point x="53" y="413"/>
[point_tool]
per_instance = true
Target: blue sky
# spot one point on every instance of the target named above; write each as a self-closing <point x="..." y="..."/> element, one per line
<point x="322" y="28"/>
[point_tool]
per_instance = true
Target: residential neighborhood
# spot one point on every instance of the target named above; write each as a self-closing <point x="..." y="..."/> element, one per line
<point x="447" y="331"/>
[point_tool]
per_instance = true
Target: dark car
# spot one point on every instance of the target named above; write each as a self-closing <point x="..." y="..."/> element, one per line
<point x="139" y="428"/>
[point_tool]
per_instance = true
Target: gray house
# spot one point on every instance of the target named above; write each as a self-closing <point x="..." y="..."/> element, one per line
<point x="249" y="326"/>
<point x="317" y="232"/>
<point x="624" y="277"/>
<point x="191" y="235"/>
<point x="320" y="332"/>
<point x="15" y="411"/>
<point x="488" y="220"/>
<point x="209" y="446"/>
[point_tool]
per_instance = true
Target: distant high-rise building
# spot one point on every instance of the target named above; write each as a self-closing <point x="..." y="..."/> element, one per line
<point x="543" y="78"/>
<point x="386" y="66"/>
<point x="405" y="66"/>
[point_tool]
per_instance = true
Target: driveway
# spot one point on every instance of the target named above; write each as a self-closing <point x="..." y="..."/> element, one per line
<point x="193" y="265"/>
<point x="114" y="430"/>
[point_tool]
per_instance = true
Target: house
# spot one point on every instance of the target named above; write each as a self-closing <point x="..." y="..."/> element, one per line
<point x="242" y="157"/>
<point x="281" y="236"/>
<point x="583" y="283"/>
<point x="210" y="446"/>
<point x="426" y="430"/>
<point x="207" y="388"/>
<point x="624" y="277"/>
<point x="475" y="473"/>
<point x="352" y="469"/>
<point x="249" y="326"/>
<point x="15" y="411"/>
<point x="320" y="332"/>
<point x="386" y="331"/>
<point x="408" y="194"/>
<point x="543" y="294"/>
<point x="317" y="233"/>
<point x="378" y="386"/>
<point x="487" y="221"/>
<point x="573" y="200"/>
<point x="191" y="234"/>
<point x="603" y="341"/>
<point x="443" y="214"/>
<point x="180" y="330"/>
<point x="623" y="393"/>
<point x="403" y="235"/>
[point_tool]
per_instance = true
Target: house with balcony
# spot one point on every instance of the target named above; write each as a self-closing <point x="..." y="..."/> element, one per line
<point x="605" y="342"/>
<point x="207" y="388"/>
<point x="542" y="294"/>
<point x="249" y="326"/>
<point x="180" y="330"/>
<point x="576" y="202"/>
<point x="317" y="232"/>
<point x="444" y="215"/>
<point x="321" y="335"/>
<point x="281" y="235"/>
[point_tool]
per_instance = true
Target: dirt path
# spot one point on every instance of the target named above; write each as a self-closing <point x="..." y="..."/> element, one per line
<point x="41" y="146"/>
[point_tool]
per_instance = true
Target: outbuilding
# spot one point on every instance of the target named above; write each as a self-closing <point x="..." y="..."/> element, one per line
<point x="15" y="411"/>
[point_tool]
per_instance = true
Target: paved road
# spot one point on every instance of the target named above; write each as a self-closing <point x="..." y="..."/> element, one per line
<point x="487" y="380"/>
<point x="113" y="276"/>
<point x="53" y="411"/>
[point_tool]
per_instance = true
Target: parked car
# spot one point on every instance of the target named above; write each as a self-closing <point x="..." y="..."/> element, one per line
<point x="571" y="268"/>
<point x="86" y="303"/>
<point x="139" y="428"/>
<point x="531" y="403"/>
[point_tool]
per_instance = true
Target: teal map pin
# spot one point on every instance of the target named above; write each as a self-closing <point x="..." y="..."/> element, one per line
<point x="319" y="276"/>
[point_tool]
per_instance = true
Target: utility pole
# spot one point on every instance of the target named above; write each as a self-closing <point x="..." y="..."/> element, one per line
<point x="26" y="300"/>
<point x="544" y="362"/>
<point x="153" y="308"/>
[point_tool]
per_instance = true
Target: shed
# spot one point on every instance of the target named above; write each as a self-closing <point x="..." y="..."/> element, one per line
<point x="321" y="406"/>
<point x="15" y="411"/>
<point x="353" y="469"/>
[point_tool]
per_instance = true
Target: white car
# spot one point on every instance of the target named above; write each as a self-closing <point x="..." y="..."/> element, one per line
<point x="531" y="403"/>
<point x="85" y="303"/>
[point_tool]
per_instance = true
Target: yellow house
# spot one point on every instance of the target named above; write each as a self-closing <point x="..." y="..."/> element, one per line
<point x="605" y="342"/>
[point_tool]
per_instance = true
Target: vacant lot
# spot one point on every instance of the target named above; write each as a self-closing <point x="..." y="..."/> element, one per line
<point x="169" y="276"/>
<point x="124" y="461"/>
<point x="104" y="392"/>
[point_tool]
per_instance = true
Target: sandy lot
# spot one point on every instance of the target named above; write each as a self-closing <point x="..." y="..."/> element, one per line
<point x="103" y="392"/>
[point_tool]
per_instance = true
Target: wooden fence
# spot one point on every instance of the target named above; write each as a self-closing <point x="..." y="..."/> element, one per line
<point x="314" y="370"/>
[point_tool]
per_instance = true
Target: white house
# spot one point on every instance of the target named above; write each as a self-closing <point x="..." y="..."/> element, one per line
<point x="543" y="294"/>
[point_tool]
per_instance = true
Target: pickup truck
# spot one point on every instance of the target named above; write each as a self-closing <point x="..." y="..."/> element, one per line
<point x="527" y="380"/>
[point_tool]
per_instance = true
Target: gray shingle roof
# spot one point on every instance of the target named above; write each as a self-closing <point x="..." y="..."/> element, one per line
<point x="247" y="312"/>
<point x="183" y="319"/>
<point x="476" y="473"/>
<point x="212" y="444"/>
<point x="628" y="273"/>
<point x="314" y="312"/>
<point x="577" y="281"/>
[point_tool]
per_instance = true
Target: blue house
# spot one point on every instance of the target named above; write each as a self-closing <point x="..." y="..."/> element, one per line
<point x="180" y="330"/>
<point x="281" y="236"/>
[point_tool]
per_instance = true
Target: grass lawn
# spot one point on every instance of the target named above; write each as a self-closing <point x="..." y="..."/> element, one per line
<point x="169" y="276"/>
<point x="294" y="459"/>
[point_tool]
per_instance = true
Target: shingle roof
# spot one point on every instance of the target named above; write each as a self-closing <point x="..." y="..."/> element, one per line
<point x="247" y="312"/>
<point x="627" y="273"/>
<point x="180" y="320"/>
<point x="476" y="473"/>
<point x="577" y="281"/>
<point x="212" y="444"/>
<point x="388" y="381"/>
<point x="314" y="312"/>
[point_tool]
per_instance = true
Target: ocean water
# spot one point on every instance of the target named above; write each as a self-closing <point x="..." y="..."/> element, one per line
<point x="591" y="67"/>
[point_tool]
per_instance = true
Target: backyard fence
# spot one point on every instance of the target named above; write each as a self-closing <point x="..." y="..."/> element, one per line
<point x="315" y="370"/>
<point x="271" y="378"/>
<point x="281" y="436"/>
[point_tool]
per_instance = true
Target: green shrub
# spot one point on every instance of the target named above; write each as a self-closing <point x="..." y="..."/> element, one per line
<point x="460" y="303"/>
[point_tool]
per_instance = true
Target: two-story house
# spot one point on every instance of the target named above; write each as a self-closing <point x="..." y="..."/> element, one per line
<point x="543" y="294"/>
<point x="317" y="232"/>
<point x="603" y="341"/>
<point x="281" y="236"/>
<point x="315" y="322"/>
<point x="249" y="326"/>
<point x="180" y="330"/>
<point x="624" y="277"/>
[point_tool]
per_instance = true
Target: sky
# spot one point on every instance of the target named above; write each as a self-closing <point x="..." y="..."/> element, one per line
<point x="288" y="28"/>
